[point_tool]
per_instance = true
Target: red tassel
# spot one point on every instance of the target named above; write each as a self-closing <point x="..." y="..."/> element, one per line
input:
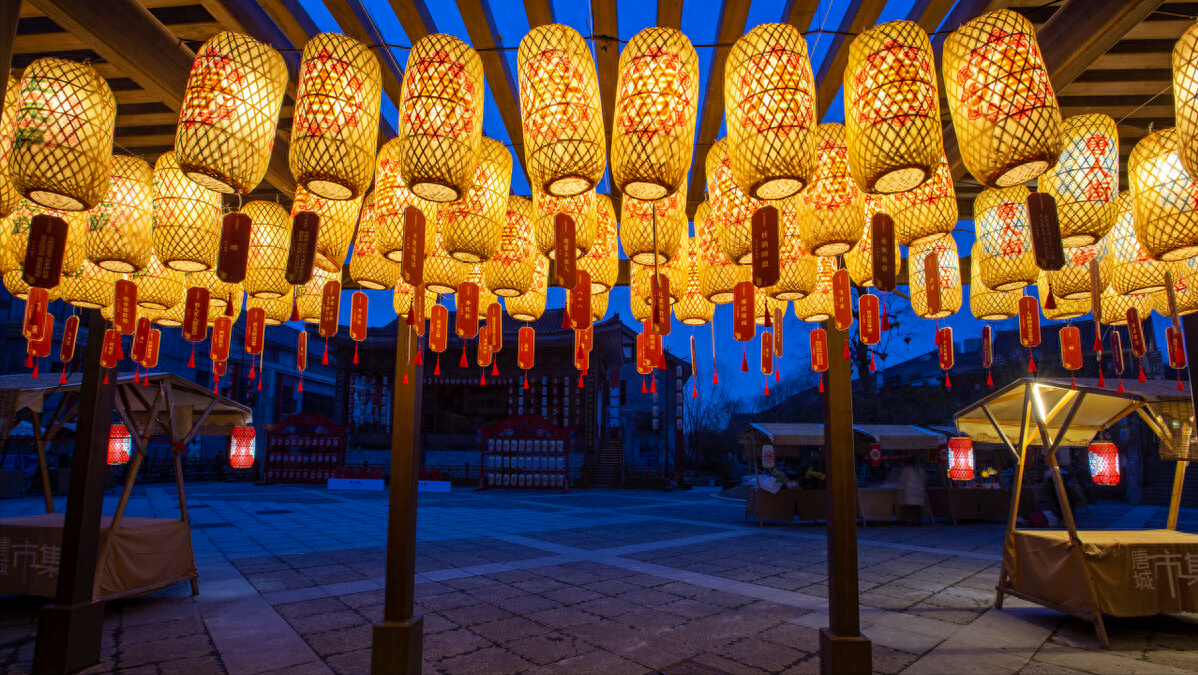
<point x="1097" y="342"/>
<point x="419" y="361"/>
<point x="1142" y="378"/>
<point x="777" y="374"/>
<point x="885" y="323"/>
<point x="437" y="369"/>
<point x="1179" y="387"/>
<point x="744" y="361"/>
<point x="1101" y="379"/>
<point x="411" y="316"/>
<point x="252" y="375"/>
<point x="105" y="376"/>
<point x="661" y="361"/>
<point x="145" y="381"/>
<point x="1049" y="301"/>
<point x="653" y="385"/>
<point x="229" y="306"/>
<point x="494" y="368"/>
<point x="28" y="360"/>
<point x="989" y="380"/>
<point x="846" y="350"/>
<point x="405" y="377"/>
<point x="767" y="386"/>
<point x="873" y="365"/>
<point x="355" y="355"/>
<point x="715" y="374"/>
<point x="694" y="391"/>
<point x="1031" y="363"/>
<point x="948" y="384"/>
<point x="1121" y="385"/>
<point x="294" y="311"/>
<point x="566" y="316"/>
<point x="136" y="374"/>
<point x="482" y="378"/>
<point x="644" y="389"/>
<point x="821" y="383"/>
<point x="301" y="382"/>
<point x="62" y="379"/>
<point x="259" y="384"/>
<point x="462" y="363"/>
<point x="1072" y="382"/>
<point x="769" y="322"/>
<point x="526" y="379"/>
<point x="324" y="360"/>
<point x="580" y="380"/>
<point x="37" y="361"/>
<point x="191" y="363"/>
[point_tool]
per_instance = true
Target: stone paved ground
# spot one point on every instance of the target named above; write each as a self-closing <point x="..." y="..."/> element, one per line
<point x="588" y="582"/>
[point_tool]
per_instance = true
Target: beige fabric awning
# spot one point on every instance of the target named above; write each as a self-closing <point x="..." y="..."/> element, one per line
<point x="786" y="434"/>
<point x="902" y="436"/>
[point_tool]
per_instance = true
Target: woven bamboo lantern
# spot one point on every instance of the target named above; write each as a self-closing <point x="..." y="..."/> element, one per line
<point x="817" y="305"/>
<point x="187" y="219"/>
<point x="657" y="101"/>
<point x="1103" y="458"/>
<point x="473" y="225"/>
<point x="477" y="275"/>
<point x="1115" y="306"/>
<point x="509" y="272"/>
<point x="1185" y="290"/>
<point x="1163" y="197"/>
<point x="1085" y="182"/>
<point x="892" y="108"/>
<point x="1004" y="111"/>
<point x="602" y="262"/>
<point x="338" y="219"/>
<point x="530" y="305"/>
<point x="599" y="302"/>
<point x="1185" y="97"/>
<point x="334" y="132"/>
<point x="276" y="310"/>
<point x="15" y="283"/>
<point x="989" y="305"/>
<point x="8" y="259"/>
<point x="960" y="458"/>
<point x="270" y="238"/>
<point x="173" y="317"/>
<point x="731" y="206"/>
<point x="564" y="144"/>
<point x="158" y="286"/>
<point x="830" y="206"/>
<point x="10" y="197"/>
<point x="677" y="270"/>
<point x="1002" y="226"/>
<point x="638" y="290"/>
<point x="229" y="113"/>
<point x="16" y="231"/>
<point x="1072" y="282"/>
<point x="442" y="272"/>
<point x="797" y="267"/>
<point x="717" y="274"/>
<point x="216" y="311"/>
<point x="1133" y="270"/>
<point x="308" y="297"/>
<point x="90" y="286"/>
<point x="582" y="208"/>
<point x="925" y="213"/>
<point x="391" y="198"/>
<point x="692" y="308"/>
<point x="639" y="219"/>
<point x="401" y="298"/>
<point x="219" y="292"/>
<point x="1062" y="309"/>
<point x="119" y="445"/>
<point x="367" y="266"/>
<point x="62" y="135"/>
<point x="950" y="278"/>
<point x="120" y="229"/>
<point x="440" y="118"/>
<point x="764" y="306"/>
<point x="859" y="261"/>
<point x="770" y="101"/>
<point x="241" y="447"/>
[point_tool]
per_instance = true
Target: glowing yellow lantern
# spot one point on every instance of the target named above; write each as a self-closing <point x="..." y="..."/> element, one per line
<point x="334" y="132"/>
<point x="391" y="199"/>
<point x="859" y="261"/>
<point x="764" y="306"/>
<point x="1185" y="97"/>
<point x="477" y="275"/>
<point x="338" y="218"/>
<point x="1002" y="227"/>
<point x="1072" y="282"/>
<point x="830" y="206"/>
<point x="509" y="271"/>
<point x="1185" y="290"/>
<point x="657" y="99"/>
<point x="1115" y="306"/>
<point x="1085" y="182"/>
<point x="1133" y="270"/>
<point x="15" y="283"/>
<point x="270" y="239"/>
<point x="949" y="265"/>
<point x="90" y="287"/>
<point x="560" y="112"/>
<point x="187" y="219"/>
<point x="473" y="225"/>
<point x="990" y="305"/>
<point x="276" y="310"/>
<point x="62" y="135"/>
<point x="440" y="118"/>
<point x="219" y="292"/>
<point x="308" y="297"/>
<point x="120" y="229"/>
<point x="442" y="272"/>
<point x="401" y="298"/>
<point x="367" y="266"/>
<point x="692" y="309"/>
<point x="599" y="303"/>
<point x="229" y="114"/>
<point x="817" y="305"/>
<point x="16" y="231"/>
<point x="582" y="208"/>
<point x="677" y="270"/>
<point x="530" y="305"/>
<point x="158" y="286"/>
<point x="216" y="311"/>
<point x="732" y="207"/>
<point x="1004" y="111"/>
<point x="924" y="213"/>
<point x="892" y="108"/>
<point x="10" y="197"/>
<point x="652" y="231"/>
<point x="638" y="290"/>
<point x="797" y="267"/>
<point x="1165" y="198"/>
<point x="602" y="262"/>
<point x="717" y="274"/>
<point x="1062" y="309"/>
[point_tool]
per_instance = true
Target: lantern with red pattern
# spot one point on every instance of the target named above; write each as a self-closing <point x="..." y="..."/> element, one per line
<point x="241" y="447"/>
<point x="119" y="444"/>
<point x="960" y="458"/>
<point x="1104" y="463"/>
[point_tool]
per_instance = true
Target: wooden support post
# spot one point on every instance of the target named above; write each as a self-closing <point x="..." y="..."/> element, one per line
<point x="842" y="649"/>
<point x="1179" y="479"/>
<point x="10" y="14"/>
<point x="40" y="441"/>
<point x="398" y="642"/>
<point x="69" y="631"/>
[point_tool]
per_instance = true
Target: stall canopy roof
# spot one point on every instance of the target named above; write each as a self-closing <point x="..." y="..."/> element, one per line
<point x="889" y="436"/>
<point x="1101" y="407"/>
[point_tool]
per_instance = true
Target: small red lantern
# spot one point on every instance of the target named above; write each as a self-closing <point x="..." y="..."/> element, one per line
<point x="119" y="443"/>
<point x="241" y="447"/>
<point x="1104" y="463"/>
<point x="960" y="458"/>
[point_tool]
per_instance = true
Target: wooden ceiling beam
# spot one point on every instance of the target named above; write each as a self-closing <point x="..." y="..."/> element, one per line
<point x="539" y="12"/>
<point x="607" y="57"/>
<point x="799" y="13"/>
<point x="669" y="14"/>
<point x="125" y="34"/>
<point x="10" y="14"/>
<point x="291" y="18"/>
<point x="858" y="17"/>
<point x="41" y="43"/>
<point x="414" y="16"/>
<point x="930" y="13"/>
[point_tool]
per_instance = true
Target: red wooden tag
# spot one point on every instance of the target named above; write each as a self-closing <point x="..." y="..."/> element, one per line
<point x="220" y="367"/>
<point x="765" y="246"/>
<point x="526" y="347"/>
<point x="495" y="325"/>
<point x="41" y="347"/>
<point x="579" y="299"/>
<point x="255" y="330"/>
<point x="767" y="353"/>
<point x="653" y="346"/>
<point x="659" y="285"/>
<point x="222" y="335"/>
<point x="150" y="360"/>
<point x="1116" y="352"/>
<point x="944" y="343"/>
<point x="124" y="311"/>
<point x="438" y="329"/>
<point x="466" y="321"/>
<point x="931" y="278"/>
<point x="842" y="299"/>
<point x="586" y="336"/>
<point x="871" y="322"/>
<point x="301" y="352"/>
<point x="110" y="352"/>
<point x="644" y="364"/>
<point x="1045" y="230"/>
<point x="744" y="325"/>
<point x="418" y="301"/>
<point x="359" y="307"/>
<point x="565" y="251"/>
<point x="484" y="348"/>
<point x="234" y="249"/>
<point x="195" y="314"/>
<point x="301" y="253"/>
<point x="987" y="347"/>
<point x="330" y="308"/>
<point x="35" y="309"/>
<point x="413" y="246"/>
<point x="141" y="337"/>
<point x="819" y="350"/>
<point x="1177" y="348"/>
<point x="1029" y="321"/>
<point x="70" y="330"/>
<point x="44" y="252"/>
<point x="582" y="357"/>
<point x="779" y="316"/>
<point x="1071" y="347"/>
<point x="881" y="233"/>
<point x="1135" y="331"/>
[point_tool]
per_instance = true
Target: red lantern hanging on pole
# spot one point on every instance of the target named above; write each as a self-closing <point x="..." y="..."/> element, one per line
<point x="119" y="444"/>
<point x="242" y="447"/>
<point x="1104" y="463"/>
<point x="960" y="458"/>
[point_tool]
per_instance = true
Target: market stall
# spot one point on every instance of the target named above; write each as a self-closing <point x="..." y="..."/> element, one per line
<point x="137" y="555"/>
<point x="1090" y="573"/>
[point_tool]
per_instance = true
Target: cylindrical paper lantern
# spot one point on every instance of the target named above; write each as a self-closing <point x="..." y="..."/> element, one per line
<point x="90" y="287"/>
<point x="119" y="444"/>
<point x="62" y="136"/>
<point x="10" y="197"/>
<point x="308" y="297"/>
<point x="677" y="270"/>
<point x="1062" y="309"/>
<point x="391" y="199"/>
<point x="509" y="272"/>
<point x="581" y="208"/>
<point x="859" y="261"/>
<point x="338" y="218"/>
<point x="277" y="310"/>
<point x="1185" y="97"/>
<point x="830" y="206"/>
<point x="1185" y="290"/>
<point x="442" y="272"/>
<point x="797" y="267"/>
<point x="1085" y="182"/>
<point x="16" y="233"/>
<point x="657" y="100"/>
<point x="440" y="118"/>
<point x="990" y="305"/>
<point x="817" y="305"/>
<point x="241" y="447"/>
<point x="564" y="143"/>
<point x="960" y="458"/>
<point x="599" y="303"/>
<point x="530" y="305"/>
<point x="924" y="213"/>
<point x="769" y="98"/>
<point x="731" y="206"/>
<point x="473" y="225"/>
<point x="1002" y="227"/>
<point x="717" y="274"/>
<point x="892" y="108"/>
<point x="692" y="308"/>
<point x="15" y="283"/>
<point x="120" y="229"/>
<point x="1163" y="196"/>
<point x="367" y="266"/>
<point x="602" y="262"/>
<point x="334" y="132"/>
<point x="652" y="231"/>
<point x="1133" y="270"/>
<point x="187" y="219"/>
<point x="1004" y="111"/>
<point x="638" y="290"/>
<point x="401" y="298"/>
<point x="950" y="278"/>
<point x="1104" y="462"/>
<point x="1072" y="282"/>
<point x="270" y="239"/>
<point x="158" y="286"/>
<point x="1115" y="306"/>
